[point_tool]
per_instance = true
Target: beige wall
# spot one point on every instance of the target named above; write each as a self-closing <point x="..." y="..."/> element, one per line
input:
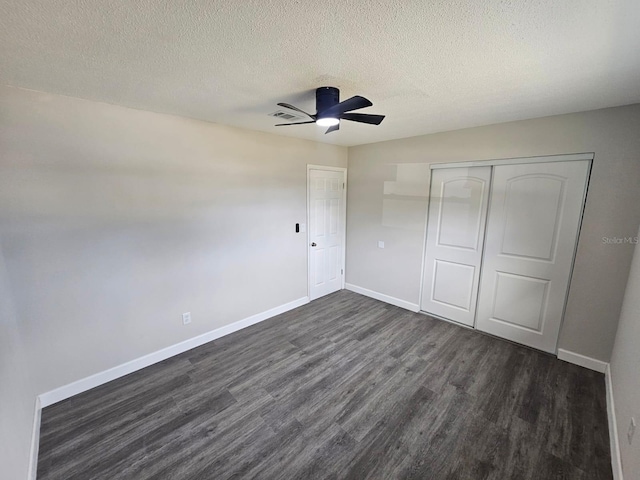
<point x="612" y="209"/>
<point x="113" y="222"/>
<point x="625" y="371"/>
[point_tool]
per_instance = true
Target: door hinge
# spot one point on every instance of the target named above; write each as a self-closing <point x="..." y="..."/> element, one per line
<point x="343" y="185"/>
<point x="341" y="272"/>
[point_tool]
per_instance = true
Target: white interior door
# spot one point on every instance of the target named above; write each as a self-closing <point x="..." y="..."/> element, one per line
<point x="532" y="229"/>
<point x="455" y="236"/>
<point x="326" y="231"/>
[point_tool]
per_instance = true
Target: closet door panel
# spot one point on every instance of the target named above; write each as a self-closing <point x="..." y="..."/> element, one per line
<point x="455" y="234"/>
<point x="532" y="230"/>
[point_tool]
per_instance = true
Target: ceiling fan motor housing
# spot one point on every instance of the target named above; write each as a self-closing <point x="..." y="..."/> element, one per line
<point x="326" y="97"/>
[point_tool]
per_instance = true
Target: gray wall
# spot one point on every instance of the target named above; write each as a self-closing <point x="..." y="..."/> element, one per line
<point x="625" y="371"/>
<point x="375" y="212"/>
<point x="113" y="222"/>
<point x="17" y="390"/>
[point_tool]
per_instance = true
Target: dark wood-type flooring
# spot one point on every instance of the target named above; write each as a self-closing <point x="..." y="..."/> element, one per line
<point x="343" y="388"/>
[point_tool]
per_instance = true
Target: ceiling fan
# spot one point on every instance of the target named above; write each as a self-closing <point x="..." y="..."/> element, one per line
<point x="330" y="110"/>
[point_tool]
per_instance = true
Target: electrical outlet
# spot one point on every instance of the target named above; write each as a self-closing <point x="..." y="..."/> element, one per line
<point x="632" y="430"/>
<point x="186" y="318"/>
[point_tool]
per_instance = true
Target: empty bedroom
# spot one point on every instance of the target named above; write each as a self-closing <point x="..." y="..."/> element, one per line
<point x="291" y="239"/>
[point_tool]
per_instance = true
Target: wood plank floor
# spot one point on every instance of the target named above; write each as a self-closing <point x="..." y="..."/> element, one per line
<point x="343" y="388"/>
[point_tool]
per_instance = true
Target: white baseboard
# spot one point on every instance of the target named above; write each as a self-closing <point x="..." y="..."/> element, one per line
<point x="616" y="463"/>
<point x="82" y="385"/>
<point x="383" y="298"/>
<point x="35" y="441"/>
<point x="602" y="367"/>
<point x="583" y="361"/>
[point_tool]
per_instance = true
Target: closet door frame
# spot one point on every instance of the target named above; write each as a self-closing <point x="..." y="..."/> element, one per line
<point x="589" y="156"/>
<point x="514" y="161"/>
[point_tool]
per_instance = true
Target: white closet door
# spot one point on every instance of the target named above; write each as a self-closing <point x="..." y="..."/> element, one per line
<point x="532" y="230"/>
<point x="455" y="234"/>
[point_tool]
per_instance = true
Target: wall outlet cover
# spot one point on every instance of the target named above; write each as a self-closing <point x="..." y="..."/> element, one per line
<point x="186" y="318"/>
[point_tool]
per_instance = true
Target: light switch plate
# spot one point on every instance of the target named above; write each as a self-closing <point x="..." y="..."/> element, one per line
<point x="380" y="244"/>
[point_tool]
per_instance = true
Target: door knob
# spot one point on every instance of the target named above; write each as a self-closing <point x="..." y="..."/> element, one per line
<point x="313" y="244"/>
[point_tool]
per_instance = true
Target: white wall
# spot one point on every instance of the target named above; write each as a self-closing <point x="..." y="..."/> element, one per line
<point x="402" y="166"/>
<point x="114" y="221"/>
<point x="625" y="371"/>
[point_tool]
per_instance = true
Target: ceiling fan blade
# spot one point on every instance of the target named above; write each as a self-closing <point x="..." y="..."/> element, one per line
<point x="291" y="107"/>
<point x="299" y="123"/>
<point x="363" y="118"/>
<point x="333" y="128"/>
<point x="353" y="103"/>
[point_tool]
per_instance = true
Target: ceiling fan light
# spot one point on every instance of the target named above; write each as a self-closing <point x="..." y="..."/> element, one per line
<point x="327" y="121"/>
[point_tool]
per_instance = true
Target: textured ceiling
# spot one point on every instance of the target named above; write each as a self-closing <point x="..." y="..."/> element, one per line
<point x="428" y="65"/>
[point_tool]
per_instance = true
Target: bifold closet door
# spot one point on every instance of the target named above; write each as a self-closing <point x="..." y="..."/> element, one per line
<point x="455" y="235"/>
<point x="532" y="229"/>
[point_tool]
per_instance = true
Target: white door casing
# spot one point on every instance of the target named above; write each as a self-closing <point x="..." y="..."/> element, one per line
<point x="532" y="228"/>
<point x="455" y="237"/>
<point x="326" y="217"/>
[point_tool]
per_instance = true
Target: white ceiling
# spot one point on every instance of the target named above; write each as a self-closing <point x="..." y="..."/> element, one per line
<point x="428" y="65"/>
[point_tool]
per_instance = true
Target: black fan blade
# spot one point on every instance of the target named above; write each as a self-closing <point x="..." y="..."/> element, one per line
<point x="333" y="128"/>
<point x="291" y="107"/>
<point x="363" y="118"/>
<point x="299" y="123"/>
<point x="353" y="103"/>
